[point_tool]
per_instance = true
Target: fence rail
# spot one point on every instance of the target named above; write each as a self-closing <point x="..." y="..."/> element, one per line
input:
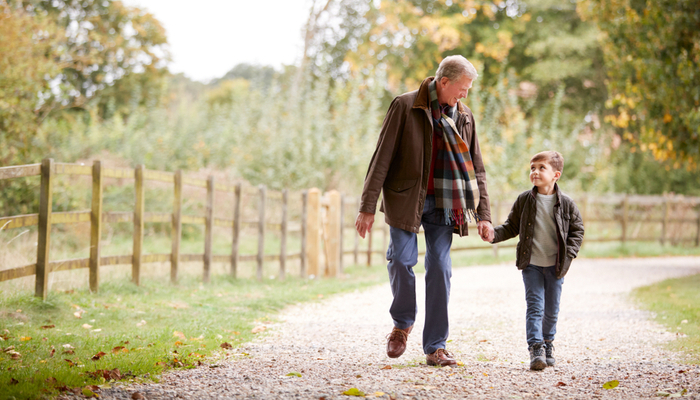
<point x="320" y="225"/>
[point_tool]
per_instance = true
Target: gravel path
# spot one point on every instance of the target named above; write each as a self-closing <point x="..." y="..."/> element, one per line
<point x="339" y="344"/>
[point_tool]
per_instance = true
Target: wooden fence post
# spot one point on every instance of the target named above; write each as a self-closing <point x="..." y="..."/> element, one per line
<point x="664" y="221"/>
<point x="334" y="227"/>
<point x="304" y="217"/>
<point x="44" y="242"/>
<point x="177" y="227"/>
<point x="236" y="230"/>
<point x="697" y="232"/>
<point x="208" y="230"/>
<point x="283" y="235"/>
<point x="356" y="250"/>
<point x="496" y="220"/>
<point x="313" y="231"/>
<point x="369" y="247"/>
<point x="95" y="226"/>
<point x="138" y="225"/>
<point x="261" y="233"/>
<point x="623" y="221"/>
<point x="342" y="233"/>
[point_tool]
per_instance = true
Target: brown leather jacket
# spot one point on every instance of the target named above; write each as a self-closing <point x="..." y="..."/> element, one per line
<point x="521" y="221"/>
<point x="401" y="162"/>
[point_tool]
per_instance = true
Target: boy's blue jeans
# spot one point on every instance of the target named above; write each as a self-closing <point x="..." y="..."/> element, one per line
<point x="402" y="255"/>
<point x="542" y="294"/>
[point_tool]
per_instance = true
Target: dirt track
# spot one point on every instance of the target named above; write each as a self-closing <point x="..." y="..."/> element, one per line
<point x="339" y="344"/>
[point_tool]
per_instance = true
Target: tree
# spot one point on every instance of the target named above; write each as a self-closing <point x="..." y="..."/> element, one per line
<point x="652" y="51"/>
<point x="111" y="56"/>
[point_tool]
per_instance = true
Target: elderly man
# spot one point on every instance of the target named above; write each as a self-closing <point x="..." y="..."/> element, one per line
<point x="428" y="164"/>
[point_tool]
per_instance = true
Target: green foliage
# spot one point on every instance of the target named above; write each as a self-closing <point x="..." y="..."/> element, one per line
<point x="652" y="54"/>
<point x="676" y="304"/>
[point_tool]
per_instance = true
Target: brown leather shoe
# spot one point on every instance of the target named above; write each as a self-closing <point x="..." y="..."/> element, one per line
<point x="440" y="357"/>
<point x="396" y="341"/>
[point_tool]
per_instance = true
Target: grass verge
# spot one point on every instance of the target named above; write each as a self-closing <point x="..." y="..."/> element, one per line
<point x="676" y="304"/>
<point x="77" y="339"/>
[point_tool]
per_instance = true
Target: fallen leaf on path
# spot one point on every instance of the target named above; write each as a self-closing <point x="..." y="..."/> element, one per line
<point x="354" y="392"/>
<point x="259" y="328"/>
<point x="226" y="345"/>
<point x="611" y="384"/>
<point x="88" y="392"/>
<point x="559" y="384"/>
<point x="294" y="374"/>
<point x="386" y="367"/>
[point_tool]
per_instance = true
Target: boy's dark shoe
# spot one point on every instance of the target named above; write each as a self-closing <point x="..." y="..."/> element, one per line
<point x="440" y="357"/>
<point x="396" y="342"/>
<point x="549" y="353"/>
<point x="537" y="357"/>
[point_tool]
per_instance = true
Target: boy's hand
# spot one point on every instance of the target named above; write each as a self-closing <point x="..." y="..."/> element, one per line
<point x="485" y="231"/>
<point x="364" y="223"/>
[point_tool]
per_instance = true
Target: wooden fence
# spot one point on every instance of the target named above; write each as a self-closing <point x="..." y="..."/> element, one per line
<point x="321" y="224"/>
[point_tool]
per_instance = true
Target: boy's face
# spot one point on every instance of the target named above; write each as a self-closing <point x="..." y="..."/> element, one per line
<point x="543" y="176"/>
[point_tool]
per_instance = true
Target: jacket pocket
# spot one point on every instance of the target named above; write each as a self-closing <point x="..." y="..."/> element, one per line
<point x="400" y="185"/>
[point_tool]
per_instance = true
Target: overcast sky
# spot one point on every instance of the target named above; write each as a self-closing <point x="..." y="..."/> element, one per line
<point x="209" y="37"/>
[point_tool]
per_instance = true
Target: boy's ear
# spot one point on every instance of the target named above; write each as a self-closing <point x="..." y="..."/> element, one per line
<point x="557" y="174"/>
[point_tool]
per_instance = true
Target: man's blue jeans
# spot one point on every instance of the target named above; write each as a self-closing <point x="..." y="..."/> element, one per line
<point x="542" y="294"/>
<point x="402" y="255"/>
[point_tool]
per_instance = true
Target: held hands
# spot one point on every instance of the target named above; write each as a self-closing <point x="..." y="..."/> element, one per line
<point x="485" y="231"/>
<point x="364" y="223"/>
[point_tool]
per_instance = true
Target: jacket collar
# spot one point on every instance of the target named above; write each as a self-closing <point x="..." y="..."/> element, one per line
<point x="423" y="99"/>
<point x="533" y="193"/>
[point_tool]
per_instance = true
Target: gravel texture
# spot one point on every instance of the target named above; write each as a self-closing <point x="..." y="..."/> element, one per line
<point x="339" y="343"/>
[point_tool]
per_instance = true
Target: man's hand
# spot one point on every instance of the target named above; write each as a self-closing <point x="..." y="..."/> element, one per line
<point x="485" y="231"/>
<point x="364" y="223"/>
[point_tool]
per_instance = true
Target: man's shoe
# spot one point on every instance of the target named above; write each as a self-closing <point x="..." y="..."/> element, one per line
<point x="549" y="353"/>
<point x="396" y="342"/>
<point x="440" y="357"/>
<point x="537" y="357"/>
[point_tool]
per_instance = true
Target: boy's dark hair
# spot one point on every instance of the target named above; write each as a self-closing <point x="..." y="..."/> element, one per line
<point x="553" y="158"/>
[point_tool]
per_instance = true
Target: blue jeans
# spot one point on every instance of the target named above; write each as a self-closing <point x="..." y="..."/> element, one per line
<point x="542" y="294"/>
<point x="402" y="255"/>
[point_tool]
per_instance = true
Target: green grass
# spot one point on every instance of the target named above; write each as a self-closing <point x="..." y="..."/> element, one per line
<point x="676" y="304"/>
<point x="159" y="327"/>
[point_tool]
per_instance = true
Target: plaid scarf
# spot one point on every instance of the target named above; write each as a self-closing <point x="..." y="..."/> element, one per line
<point x="456" y="190"/>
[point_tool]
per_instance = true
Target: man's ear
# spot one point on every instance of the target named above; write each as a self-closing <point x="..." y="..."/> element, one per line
<point x="444" y="80"/>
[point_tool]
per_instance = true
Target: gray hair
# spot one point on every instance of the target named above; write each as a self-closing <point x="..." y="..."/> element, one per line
<point x="454" y="67"/>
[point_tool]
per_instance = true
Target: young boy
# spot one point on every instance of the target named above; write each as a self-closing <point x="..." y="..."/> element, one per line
<point x="551" y="232"/>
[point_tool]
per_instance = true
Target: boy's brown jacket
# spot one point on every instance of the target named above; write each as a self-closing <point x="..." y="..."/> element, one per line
<point x="401" y="162"/>
<point x="521" y="221"/>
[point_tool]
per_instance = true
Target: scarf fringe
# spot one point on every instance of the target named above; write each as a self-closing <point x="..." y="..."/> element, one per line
<point x="460" y="216"/>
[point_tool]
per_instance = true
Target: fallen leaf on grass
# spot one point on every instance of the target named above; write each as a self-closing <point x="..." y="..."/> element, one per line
<point x="70" y="362"/>
<point x="48" y="326"/>
<point x="118" y="349"/>
<point x="78" y="314"/>
<point x="14" y="355"/>
<point x="25" y="338"/>
<point x="87" y="326"/>
<point x="178" y="343"/>
<point x="88" y="392"/>
<point x="294" y="374"/>
<point x="13" y="381"/>
<point x="8" y="348"/>
<point x="354" y="392"/>
<point x="226" y="345"/>
<point x="140" y="324"/>
<point x="99" y="355"/>
<point x="611" y="384"/>
<point x="179" y="335"/>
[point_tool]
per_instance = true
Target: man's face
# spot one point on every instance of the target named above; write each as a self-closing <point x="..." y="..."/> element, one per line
<point x="452" y="91"/>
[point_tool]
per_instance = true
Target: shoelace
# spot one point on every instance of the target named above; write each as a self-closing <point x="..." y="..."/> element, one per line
<point x="394" y="335"/>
